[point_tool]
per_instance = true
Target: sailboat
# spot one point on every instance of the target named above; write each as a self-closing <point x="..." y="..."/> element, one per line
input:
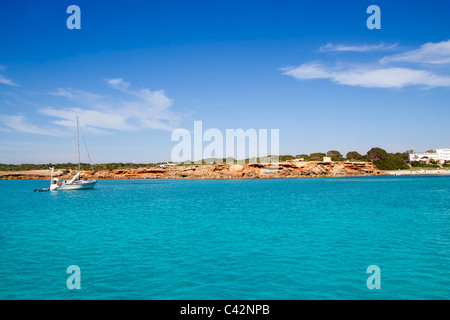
<point x="75" y="183"/>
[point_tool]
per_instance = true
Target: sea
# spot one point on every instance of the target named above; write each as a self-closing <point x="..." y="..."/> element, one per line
<point x="354" y="238"/>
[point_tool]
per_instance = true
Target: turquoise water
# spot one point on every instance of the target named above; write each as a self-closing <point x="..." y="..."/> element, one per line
<point x="228" y="239"/>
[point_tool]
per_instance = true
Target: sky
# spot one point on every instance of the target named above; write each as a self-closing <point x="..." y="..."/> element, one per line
<point x="138" y="70"/>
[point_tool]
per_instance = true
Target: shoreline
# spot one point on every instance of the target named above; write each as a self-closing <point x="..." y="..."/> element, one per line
<point x="421" y="172"/>
<point x="303" y="169"/>
<point x="300" y="169"/>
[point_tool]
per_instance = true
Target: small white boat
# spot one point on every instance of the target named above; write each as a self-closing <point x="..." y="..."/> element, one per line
<point x="75" y="183"/>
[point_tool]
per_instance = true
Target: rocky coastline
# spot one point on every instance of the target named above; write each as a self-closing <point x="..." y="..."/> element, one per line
<point x="301" y="169"/>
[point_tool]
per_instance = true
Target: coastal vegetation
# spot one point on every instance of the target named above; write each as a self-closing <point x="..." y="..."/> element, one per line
<point x="380" y="158"/>
<point x="74" y="166"/>
<point x="432" y="164"/>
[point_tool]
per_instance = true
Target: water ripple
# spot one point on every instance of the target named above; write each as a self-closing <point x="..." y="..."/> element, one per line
<point x="228" y="239"/>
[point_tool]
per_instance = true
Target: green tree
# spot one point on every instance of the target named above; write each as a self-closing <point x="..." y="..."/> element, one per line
<point x="300" y="156"/>
<point x="286" y="157"/>
<point x="353" y="155"/>
<point x="317" y="156"/>
<point x="335" y="155"/>
<point x="392" y="161"/>
<point x="403" y="155"/>
<point x="377" y="154"/>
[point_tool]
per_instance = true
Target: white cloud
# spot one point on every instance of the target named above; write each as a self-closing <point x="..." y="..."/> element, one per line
<point x="139" y="110"/>
<point x="157" y="99"/>
<point x="18" y="123"/>
<point x="62" y="93"/>
<point x="311" y="70"/>
<point x="429" y="53"/>
<point x="7" y="81"/>
<point x="377" y="74"/>
<point x="357" y="48"/>
<point x="374" y="77"/>
<point x="76" y="94"/>
<point x="390" y="78"/>
<point x="93" y="120"/>
<point x="118" y="83"/>
<point x="133" y="110"/>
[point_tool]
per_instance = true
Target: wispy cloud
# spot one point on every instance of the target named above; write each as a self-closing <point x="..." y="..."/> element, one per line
<point x="131" y="110"/>
<point x="377" y="74"/>
<point x="363" y="76"/>
<point x="19" y="123"/>
<point x="357" y="48"/>
<point x="5" y="80"/>
<point x="429" y="53"/>
<point x="62" y="93"/>
<point x="77" y="95"/>
<point x="137" y="110"/>
<point x="118" y="83"/>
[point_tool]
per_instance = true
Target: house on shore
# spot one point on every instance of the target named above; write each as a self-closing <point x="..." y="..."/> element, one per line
<point x="441" y="156"/>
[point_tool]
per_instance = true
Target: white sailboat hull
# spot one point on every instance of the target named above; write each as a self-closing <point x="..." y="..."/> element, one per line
<point x="77" y="185"/>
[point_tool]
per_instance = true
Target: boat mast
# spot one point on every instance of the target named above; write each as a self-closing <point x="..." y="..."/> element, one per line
<point x="78" y="142"/>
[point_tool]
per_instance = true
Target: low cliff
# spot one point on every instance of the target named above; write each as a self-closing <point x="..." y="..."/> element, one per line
<point x="218" y="171"/>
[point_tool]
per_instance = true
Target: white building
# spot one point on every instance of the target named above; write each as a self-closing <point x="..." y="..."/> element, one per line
<point x="444" y="154"/>
<point x="441" y="155"/>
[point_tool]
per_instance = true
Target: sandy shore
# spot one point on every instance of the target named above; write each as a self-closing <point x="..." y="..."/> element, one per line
<point x="417" y="172"/>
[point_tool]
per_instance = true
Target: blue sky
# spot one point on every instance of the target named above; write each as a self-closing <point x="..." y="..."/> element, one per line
<point x="139" y="69"/>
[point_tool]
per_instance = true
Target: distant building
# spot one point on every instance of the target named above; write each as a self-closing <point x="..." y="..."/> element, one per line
<point x="167" y="164"/>
<point x="423" y="156"/>
<point x="444" y="154"/>
<point x="296" y="160"/>
<point x="441" y="155"/>
<point x="326" y="159"/>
